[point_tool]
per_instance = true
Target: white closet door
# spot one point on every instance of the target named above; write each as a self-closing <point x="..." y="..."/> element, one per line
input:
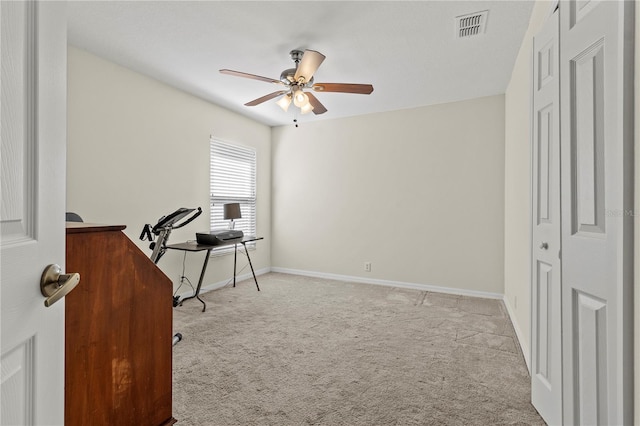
<point x="546" y="343"/>
<point x="596" y="72"/>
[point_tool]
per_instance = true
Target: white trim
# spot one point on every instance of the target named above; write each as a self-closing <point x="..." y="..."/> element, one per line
<point x="524" y="345"/>
<point x="401" y="284"/>
<point x="210" y="287"/>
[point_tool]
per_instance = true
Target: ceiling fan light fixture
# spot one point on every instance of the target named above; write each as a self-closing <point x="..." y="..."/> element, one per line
<point x="284" y="102"/>
<point x="300" y="98"/>
<point x="305" y="109"/>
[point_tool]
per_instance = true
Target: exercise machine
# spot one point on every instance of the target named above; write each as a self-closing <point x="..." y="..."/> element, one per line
<point x="162" y="230"/>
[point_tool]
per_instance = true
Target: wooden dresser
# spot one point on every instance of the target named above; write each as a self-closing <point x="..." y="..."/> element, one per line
<point x="118" y="332"/>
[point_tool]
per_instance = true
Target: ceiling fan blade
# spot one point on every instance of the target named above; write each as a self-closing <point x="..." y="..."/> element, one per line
<point x="318" y="108"/>
<point x="251" y="76"/>
<point x="363" y="89"/>
<point x="266" y="98"/>
<point x="308" y="65"/>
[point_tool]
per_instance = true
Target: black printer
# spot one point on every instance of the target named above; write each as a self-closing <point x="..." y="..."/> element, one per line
<point x="218" y="236"/>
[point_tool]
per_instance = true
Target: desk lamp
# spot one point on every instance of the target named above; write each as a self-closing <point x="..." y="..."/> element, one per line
<point x="231" y="212"/>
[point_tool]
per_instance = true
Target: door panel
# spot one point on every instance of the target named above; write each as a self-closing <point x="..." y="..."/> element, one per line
<point x="596" y="152"/>
<point x="543" y="291"/>
<point x="17" y="385"/>
<point x="546" y="380"/>
<point x="18" y="112"/>
<point x="590" y="332"/>
<point x="544" y="141"/>
<point x="587" y="143"/>
<point x="33" y="131"/>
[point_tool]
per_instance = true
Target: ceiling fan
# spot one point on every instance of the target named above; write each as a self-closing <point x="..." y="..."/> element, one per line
<point x="296" y="80"/>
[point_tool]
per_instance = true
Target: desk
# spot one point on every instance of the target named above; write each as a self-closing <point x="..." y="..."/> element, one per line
<point x="194" y="247"/>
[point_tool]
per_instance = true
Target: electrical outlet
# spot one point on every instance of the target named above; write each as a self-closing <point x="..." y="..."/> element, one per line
<point x="367" y="266"/>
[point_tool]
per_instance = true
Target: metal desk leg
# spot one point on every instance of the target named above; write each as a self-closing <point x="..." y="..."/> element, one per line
<point x="254" y="274"/>
<point x="197" y="293"/>
<point x="235" y="255"/>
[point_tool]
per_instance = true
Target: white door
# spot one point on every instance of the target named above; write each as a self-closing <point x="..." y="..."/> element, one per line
<point x="596" y="71"/>
<point x="546" y="343"/>
<point x="33" y="130"/>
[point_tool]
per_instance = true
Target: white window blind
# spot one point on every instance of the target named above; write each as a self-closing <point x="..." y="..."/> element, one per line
<point x="233" y="180"/>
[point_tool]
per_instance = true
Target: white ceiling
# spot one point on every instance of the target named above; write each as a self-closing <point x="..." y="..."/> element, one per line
<point x="407" y="50"/>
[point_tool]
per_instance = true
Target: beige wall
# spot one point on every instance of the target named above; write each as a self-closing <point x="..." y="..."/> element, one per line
<point x="517" y="194"/>
<point x="139" y="149"/>
<point x="418" y="193"/>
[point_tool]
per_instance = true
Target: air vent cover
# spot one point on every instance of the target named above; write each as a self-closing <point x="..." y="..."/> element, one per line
<point x="471" y="25"/>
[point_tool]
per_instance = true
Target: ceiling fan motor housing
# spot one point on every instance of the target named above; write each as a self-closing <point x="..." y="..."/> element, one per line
<point x="287" y="77"/>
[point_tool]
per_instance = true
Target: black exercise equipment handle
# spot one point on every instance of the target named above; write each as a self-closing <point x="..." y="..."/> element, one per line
<point x="169" y="218"/>
<point x="146" y="233"/>
<point x="189" y="220"/>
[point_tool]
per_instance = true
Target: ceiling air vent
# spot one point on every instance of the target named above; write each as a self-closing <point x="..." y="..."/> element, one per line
<point x="471" y="25"/>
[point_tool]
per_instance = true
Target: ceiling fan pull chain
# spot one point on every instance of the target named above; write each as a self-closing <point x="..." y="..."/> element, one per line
<point x="295" y="118"/>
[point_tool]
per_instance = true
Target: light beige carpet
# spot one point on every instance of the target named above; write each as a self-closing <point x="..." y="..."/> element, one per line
<point x="309" y="351"/>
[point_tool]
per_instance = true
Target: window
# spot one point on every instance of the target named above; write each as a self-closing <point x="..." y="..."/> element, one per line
<point x="233" y="180"/>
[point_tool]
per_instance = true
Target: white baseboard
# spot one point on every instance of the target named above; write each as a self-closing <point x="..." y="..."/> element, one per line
<point x="214" y="286"/>
<point x="524" y="345"/>
<point x="389" y="283"/>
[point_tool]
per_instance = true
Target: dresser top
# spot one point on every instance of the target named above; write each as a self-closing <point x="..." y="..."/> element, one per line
<point x="82" y="227"/>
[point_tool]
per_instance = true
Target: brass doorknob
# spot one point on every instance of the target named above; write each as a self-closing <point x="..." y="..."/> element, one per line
<point x="54" y="285"/>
